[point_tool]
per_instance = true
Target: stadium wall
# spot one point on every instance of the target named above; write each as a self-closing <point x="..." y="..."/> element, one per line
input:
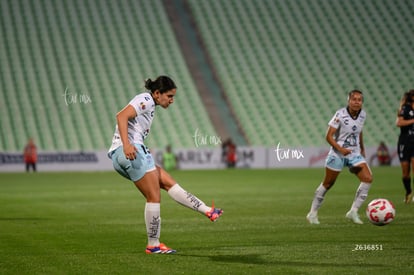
<point x="189" y="159"/>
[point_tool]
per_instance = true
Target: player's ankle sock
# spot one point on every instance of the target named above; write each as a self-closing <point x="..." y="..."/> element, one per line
<point x="153" y="223"/>
<point x="318" y="198"/>
<point x="187" y="199"/>
<point x="361" y="195"/>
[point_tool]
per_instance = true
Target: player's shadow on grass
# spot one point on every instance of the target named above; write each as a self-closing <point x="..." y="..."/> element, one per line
<point x="258" y="259"/>
<point x="248" y="258"/>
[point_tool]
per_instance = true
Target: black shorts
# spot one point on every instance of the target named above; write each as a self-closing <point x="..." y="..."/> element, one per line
<point x="405" y="150"/>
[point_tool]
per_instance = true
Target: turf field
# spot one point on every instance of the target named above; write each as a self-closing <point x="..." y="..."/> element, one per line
<point x="92" y="223"/>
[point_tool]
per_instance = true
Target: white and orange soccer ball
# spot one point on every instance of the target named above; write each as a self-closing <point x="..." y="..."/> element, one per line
<point x="380" y="211"/>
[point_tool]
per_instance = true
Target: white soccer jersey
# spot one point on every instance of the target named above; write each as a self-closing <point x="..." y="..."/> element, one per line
<point x="138" y="127"/>
<point x="348" y="130"/>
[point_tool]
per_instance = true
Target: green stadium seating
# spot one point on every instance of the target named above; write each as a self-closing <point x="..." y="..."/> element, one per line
<point x="97" y="50"/>
<point x="285" y="66"/>
<point x="288" y="65"/>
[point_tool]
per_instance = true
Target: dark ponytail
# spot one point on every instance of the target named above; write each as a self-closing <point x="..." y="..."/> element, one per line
<point x="162" y="83"/>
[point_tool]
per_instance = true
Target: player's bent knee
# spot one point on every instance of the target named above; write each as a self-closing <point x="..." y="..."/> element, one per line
<point x="366" y="178"/>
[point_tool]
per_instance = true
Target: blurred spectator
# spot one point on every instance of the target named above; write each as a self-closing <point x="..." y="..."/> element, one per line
<point x="383" y="154"/>
<point x="169" y="159"/>
<point x="229" y="155"/>
<point x="30" y="155"/>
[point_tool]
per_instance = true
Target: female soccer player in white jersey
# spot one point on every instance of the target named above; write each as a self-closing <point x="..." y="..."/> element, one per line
<point x="132" y="159"/>
<point x="347" y="149"/>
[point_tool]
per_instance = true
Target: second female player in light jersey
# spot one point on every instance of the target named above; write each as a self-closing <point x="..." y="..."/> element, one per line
<point x="347" y="149"/>
<point x="132" y="159"/>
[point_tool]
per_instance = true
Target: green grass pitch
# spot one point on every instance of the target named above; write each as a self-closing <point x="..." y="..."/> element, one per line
<point x="92" y="223"/>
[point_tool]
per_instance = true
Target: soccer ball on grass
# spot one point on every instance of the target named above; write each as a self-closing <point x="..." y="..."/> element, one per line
<point x="380" y="211"/>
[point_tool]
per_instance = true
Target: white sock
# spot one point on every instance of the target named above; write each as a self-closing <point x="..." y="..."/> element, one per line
<point x="153" y="223"/>
<point x="187" y="199"/>
<point x="318" y="198"/>
<point x="360" y="196"/>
